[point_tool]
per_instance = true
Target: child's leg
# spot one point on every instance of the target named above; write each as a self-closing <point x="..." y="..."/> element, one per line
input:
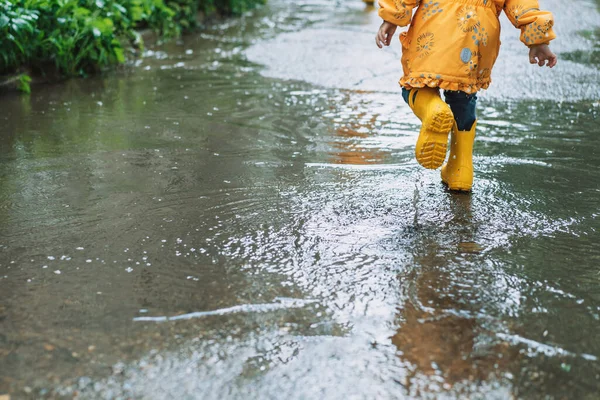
<point x="457" y="173"/>
<point x="463" y="107"/>
<point x="437" y="121"/>
<point x="405" y="94"/>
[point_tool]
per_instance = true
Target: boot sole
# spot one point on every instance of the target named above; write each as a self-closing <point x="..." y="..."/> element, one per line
<point x="457" y="187"/>
<point x="433" y="140"/>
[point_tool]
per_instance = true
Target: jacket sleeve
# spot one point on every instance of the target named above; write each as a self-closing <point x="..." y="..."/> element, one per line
<point x="536" y="25"/>
<point x="397" y="12"/>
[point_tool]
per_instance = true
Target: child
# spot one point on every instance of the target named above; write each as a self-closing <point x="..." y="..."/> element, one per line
<point x="452" y="45"/>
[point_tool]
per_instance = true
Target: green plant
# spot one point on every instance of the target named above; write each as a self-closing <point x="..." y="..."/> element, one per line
<point x="234" y="7"/>
<point x="23" y="83"/>
<point x="17" y="31"/>
<point x="185" y="12"/>
<point x="79" y="37"/>
<point x="76" y="39"/>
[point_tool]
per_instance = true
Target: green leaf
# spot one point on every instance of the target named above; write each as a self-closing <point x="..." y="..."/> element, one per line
<point x="81" y="12"/>
<point x="119" y="54"/>
<point x="120" y="8"/>
<point x="23" y="83"/>
<point x="4" y="20"/>
<point x="136" y="13"/>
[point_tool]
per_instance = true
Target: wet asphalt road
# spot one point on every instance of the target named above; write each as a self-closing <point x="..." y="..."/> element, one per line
<point x="240" y="215"/>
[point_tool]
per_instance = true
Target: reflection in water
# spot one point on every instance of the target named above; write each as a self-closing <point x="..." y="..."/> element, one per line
<point x="445" y="346"/>
<point x="438" y="339"/>
<point x="350" y="143"/>
<point x="440" y="333"/>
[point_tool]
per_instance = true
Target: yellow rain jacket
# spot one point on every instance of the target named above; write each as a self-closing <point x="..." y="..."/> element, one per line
<point x="453" y="44"/>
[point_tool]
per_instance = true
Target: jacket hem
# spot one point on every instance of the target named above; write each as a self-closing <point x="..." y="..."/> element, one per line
<point x="444" y="82"/>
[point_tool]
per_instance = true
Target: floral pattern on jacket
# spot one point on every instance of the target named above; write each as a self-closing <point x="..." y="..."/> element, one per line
<point x="453" y="44"/>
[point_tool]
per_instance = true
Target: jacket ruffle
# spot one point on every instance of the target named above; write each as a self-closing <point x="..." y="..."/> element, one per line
<point x="444" y="83"/>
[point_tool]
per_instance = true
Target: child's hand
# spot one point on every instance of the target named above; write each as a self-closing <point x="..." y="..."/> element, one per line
<point x="541" y="53"/>
<point x="385" y="34"/>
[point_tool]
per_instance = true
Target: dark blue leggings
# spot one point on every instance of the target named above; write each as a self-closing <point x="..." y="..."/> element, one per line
<point x="462" y="105"/>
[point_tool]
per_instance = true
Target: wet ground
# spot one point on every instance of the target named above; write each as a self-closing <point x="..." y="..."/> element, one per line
<point x="235" y="218"/>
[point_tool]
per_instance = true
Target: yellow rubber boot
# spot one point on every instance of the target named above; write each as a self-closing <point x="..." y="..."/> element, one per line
<point x="457" y="173"/>
<point x="437" y="120"/>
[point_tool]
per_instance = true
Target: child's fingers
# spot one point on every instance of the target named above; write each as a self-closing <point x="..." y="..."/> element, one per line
<point x="543" y="58"/>
<point x="384" y="36"/>
<point x="378" y="40"/>
<point x="382" y="39"/>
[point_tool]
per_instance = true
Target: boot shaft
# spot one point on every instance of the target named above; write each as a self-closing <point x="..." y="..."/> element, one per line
<point x="461" y="142"/>
<point x="457" y="173"/>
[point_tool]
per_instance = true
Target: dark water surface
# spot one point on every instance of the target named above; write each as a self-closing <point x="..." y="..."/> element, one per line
<point x="188" y="228"/>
